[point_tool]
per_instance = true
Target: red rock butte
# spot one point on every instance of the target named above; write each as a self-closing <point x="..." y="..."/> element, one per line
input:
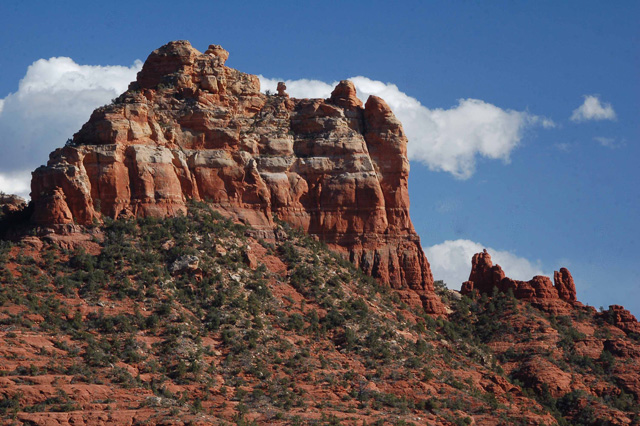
<point x="556" y="298"/>
<point x="190" y="128"/>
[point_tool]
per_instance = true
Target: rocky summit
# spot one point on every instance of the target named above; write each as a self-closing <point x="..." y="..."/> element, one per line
<point x="190" y="128"/>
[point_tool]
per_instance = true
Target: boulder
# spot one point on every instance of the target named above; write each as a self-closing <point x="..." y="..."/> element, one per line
<point x="184" y="263"/>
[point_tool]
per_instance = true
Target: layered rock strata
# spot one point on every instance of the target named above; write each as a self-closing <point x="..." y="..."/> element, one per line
<point x="190" y="128"/>
<point x="556" y="297"/>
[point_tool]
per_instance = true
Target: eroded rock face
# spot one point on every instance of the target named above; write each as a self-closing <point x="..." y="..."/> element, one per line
<point x="485" y="276"/>
<point x="192" y="128"/>
<point x="10" y="203"/>
<point x="542" y="374"/>
<point x="621" y="318"/>
<point x="564" y="284"/>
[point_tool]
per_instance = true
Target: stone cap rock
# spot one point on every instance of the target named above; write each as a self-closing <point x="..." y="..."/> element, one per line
<point x="217" y="50"/>
<point x="344" y="95"/>
<point x="168" y="59"/>
<point x="282" y="89"/>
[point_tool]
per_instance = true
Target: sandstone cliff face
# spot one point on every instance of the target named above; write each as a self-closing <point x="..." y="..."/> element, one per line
<point x="191" y="128"/>
<point x="556" y="298"/>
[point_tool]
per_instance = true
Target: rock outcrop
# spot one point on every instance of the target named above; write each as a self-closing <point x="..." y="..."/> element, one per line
<point x="10" y="203"/>
<point x="556" y="297"/>
<point x="191" y="128"/>
<point x="621" y="318"/>
<point x="564" y="285"/>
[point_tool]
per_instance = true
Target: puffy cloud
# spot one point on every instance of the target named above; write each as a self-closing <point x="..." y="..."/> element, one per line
<point x="55" y="97"/>
<point x="592" y="109"/>
<point x="447" y="140"/>
<point x="16" y="183"/>
<point x="547" y="123"/>
<point x="451" y="262"/>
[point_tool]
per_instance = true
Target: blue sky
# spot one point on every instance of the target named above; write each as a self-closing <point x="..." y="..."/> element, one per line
<point x="538" y="188"/>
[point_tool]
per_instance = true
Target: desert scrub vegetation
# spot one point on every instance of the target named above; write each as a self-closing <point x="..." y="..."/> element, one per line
<point x="480" y="323"/>
<point x="172" y="310"/>
<point x="212" y="325"/>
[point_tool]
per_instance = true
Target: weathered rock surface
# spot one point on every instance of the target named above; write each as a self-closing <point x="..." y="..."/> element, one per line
<point x="185" y="263"/>
<point x="556" y="297"/>
<point x="191" y="128"/>
<point x="11" y="203"/>
<point x="564" y="285"/>
<point x="542" y="374"/>
<point x="621" y="318"/>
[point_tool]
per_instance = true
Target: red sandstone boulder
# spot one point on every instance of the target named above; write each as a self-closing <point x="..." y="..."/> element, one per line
<point x="250" y="258"/>
<point x="191" y="128"/>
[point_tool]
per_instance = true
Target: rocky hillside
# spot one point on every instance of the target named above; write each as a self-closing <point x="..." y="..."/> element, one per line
<point x="197" y="320"/>
<point x="191" y="128"/>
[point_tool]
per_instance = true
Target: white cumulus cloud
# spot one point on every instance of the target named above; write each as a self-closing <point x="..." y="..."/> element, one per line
<point x="451" y="262"/>
<point x="448" y="140"/>
<point x="593" y="109"/>
<point x="17" y="183"/>
<point x="54" y="98"/>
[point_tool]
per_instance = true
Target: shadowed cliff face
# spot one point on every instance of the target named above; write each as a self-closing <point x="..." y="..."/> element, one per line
<point x="192" y="128"/>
